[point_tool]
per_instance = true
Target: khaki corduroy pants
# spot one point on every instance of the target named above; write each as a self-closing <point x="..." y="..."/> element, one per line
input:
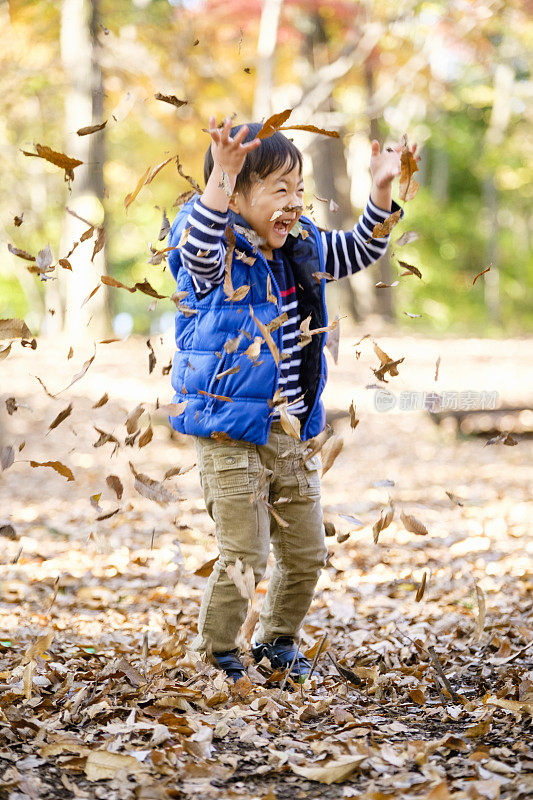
<point x="236" y="477"/>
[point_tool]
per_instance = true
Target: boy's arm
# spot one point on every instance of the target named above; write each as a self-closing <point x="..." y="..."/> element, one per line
<point x="347" y="252"/>
<point x="203" y="251"/>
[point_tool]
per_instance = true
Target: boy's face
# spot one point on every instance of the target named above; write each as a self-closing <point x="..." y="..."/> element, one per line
<point x="282" y="189"/>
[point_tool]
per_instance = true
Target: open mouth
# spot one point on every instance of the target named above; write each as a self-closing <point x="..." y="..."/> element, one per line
<point x="283" y="226"/>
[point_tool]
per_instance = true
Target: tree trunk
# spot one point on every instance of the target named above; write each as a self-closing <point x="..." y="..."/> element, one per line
<point x="83" y="106"/>
<point x="383" y="298"/>
<point x="266" y="47"/>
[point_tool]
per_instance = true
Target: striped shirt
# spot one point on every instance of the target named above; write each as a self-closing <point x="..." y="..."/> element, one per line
<point x="345" y="253"/>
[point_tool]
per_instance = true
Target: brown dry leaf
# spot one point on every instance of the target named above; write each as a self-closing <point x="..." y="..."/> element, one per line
<point x="406" y="238"/>
<point x="65" y="263"/>
<point x="79" y="374"/>
<point x="418" y="696"/>
<point x="243" y="578"/>
<point x="102" y="401"/>
<point x="354" y="422"/>
<point x="91" y="294"/>
<point x="409" y="269"/>
<point x="289" y="422"/>
<point x="281" y="522"/>
<point x="58" y="159"/>
<point x="249" y="260"/>
<point x="206" y="569"/>
<point x="238" y="294"/>
<point x="271" y="298"/>
<point x="502" y="438"/>
<point x="173" y="409"/>
<point x="437" y="365"/>
<point x="128" y="200"/>
<point x="7" y="457"/>
<point x="105" y="765"/>
<point x="132" y="420"/>
<point x="383" y="229"/>
<point x="115" y="484"/>
<point x="5" y="352"/>
<point x="91" y="129"/>
<point x="323" y="276"/>
<point x="20" y="253"/>
<point x="481" y="273"/>
<point x="215" y="396"/>
<point x="152" y="489"/>
<point x="109" y="281"/>
<point x="311" y="129"/>
<point x="253" y="350"/>
<point x="225" y="184"/>
<point x="265" y="330"/>
<point x="408" y="187"/>
<point x="329" y="772"/>
<point x="104" y="438"/>
<point x="479" y="729"/>
<point x="14" y="329"/>
<point x="38" y="648"/>
<point x="228" y="285"/>
<point x="273" y="123"/>
<point x="510" y="705"/>
<point x="99" y="242"/>
<point x="230" y="345"/>
<point x="229" y="371"/>
<point x="55" y="465"/>
<point x="385" y="519"/>
<point x="170" y="98"/>
<point x="146" y="288"/>
<point x="413" y="525"/>
<point x="482" y="610"/>
<point x="188" y="178"/>
<point x="421" y="589"/>
<point x="146" y="437"/>
<point x="381" y="285"/>
<point x="18" y="219"/>
<point x="330" y="451"/>
<point x="61" y="417"/>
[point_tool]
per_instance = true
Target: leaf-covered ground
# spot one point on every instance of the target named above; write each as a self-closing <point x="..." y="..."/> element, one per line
<point x="100" y="695"/>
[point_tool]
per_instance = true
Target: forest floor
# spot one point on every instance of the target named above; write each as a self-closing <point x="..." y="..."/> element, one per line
<point x="100" y="694"/>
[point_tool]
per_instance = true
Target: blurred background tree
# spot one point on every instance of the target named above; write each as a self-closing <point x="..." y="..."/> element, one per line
<point x="454" y="76"/>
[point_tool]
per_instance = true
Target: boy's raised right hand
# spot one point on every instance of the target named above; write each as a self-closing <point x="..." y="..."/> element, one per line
<point x="229" y="154"/>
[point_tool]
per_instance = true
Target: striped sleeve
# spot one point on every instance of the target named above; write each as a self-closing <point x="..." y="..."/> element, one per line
<point x="203" y="252"/>
<point x="346" y="252"/>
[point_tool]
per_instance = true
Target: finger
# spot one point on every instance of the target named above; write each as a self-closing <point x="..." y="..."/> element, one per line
<point x="251" y="145"/>
<point x="213" y="130"/>
<point x="224" y="133"/>
<point x="241" y="134"/>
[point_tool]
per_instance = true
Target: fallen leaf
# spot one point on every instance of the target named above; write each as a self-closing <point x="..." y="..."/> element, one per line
<point x="55" y="465"/>
<point x="334" y="771"/>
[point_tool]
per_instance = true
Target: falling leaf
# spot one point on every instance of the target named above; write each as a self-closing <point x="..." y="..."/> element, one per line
<point x="7" y="457"/>
<point x="91" y="294"/>
<point x="206" y="569"/>
<point x="104" y="438"/>
<point x="215" y="396"/>
<point x="102" y="401"/>
<point x="481" y="273"/>
<point x="311" y="129"/>
<point x="238" y="294"/>
<point x="5" y="352"/>
<point x="413" y="316"/>
<point x="502" y="438"/>
<point x="14" y="329"/>
<point x="421" y="589"/>
<point x="171" y="99"/>
<point x="408" y="187"/>
<point x="243" y="578"/>
<point x="173" y="409"/>
<point x="267" y="336"/>
<point x="455" y="500"/>
<point x="437" y="365"/>
<point x="151" y="357"/>
<point x="20" y="253"/>
<point x="164" y="229"/>
<point x="146" y="288"/>
<point x="152" y="489"/>
<point x="229" y="371"/>
<point x="99" y="242"/>
<point x="109" y="281"/>
<point x="58" y="159"/>
<point x="323" y="276"/>
<point x="61" y="417"/>
<point x="385" y="519"/>
<point x="240" y="256"/>
<point x="146" y="437"/>
<point x="188" y="178"/>
<point x="133" y="418"/>
<point x="230" y="345"/>
<point x="79" y="374"/>
<point x="354" y="422"/>
<point x="413" y="525"/>
<point x="330" y="451"/>
<point x="254" y="349"/>
<point x="55" y="465"/>
<point x="406" y="238"/>
<point x="91" y="129"/>
<point x="289" y="422"/>
<point x="273" y="123"/>
<point x="65" y="263"/>
<point x="382" y="229"/>
<point x="409" y="269"/>
<point x="381" y="285"/>
<point x="17" y="220"/>
<point x="128" y="200"/>
<point x="114" y="483"/>
<point x="333" y="206"/>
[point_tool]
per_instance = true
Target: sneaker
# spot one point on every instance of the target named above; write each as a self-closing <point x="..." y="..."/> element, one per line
<point x="281" y="653"/>
<point x="229" y="663"/>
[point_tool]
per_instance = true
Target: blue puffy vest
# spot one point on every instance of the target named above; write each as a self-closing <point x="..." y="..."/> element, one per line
<point x="205" y="325"/>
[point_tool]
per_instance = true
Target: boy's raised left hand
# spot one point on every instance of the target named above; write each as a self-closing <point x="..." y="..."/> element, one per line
<point x="385" y="165"/>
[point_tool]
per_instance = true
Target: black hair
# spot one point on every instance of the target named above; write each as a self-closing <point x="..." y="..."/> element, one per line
<point x="273" y="153"/>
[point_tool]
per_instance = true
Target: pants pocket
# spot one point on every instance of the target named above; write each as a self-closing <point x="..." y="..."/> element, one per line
<point x="230" y="473"/>
<point x="308" y="476"/>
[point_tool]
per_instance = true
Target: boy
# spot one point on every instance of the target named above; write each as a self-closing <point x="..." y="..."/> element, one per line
<point x="245" y="285"/>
